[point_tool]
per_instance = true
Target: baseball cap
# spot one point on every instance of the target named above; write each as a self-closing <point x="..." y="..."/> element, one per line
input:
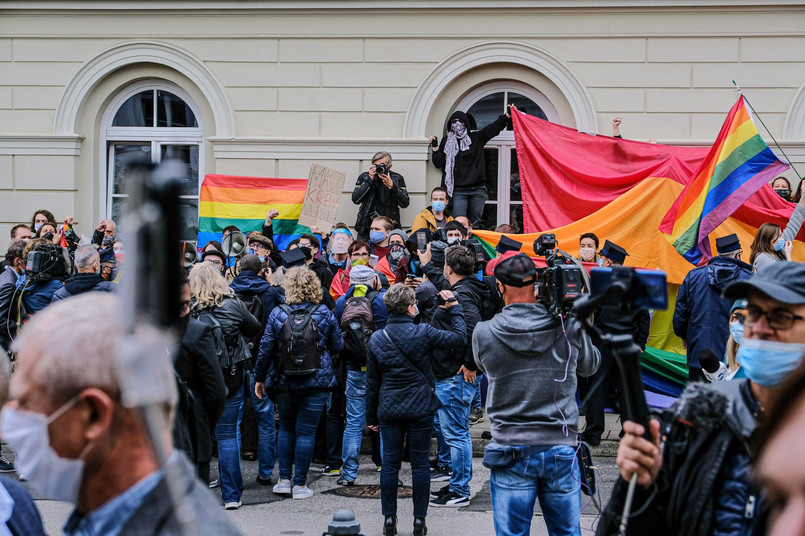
<point x="515" y="269"/>
<point x="783" y="281"/>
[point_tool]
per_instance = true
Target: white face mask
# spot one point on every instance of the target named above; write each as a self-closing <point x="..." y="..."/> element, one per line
<point x="587" y="254"/>
<point x="26" y="433"/>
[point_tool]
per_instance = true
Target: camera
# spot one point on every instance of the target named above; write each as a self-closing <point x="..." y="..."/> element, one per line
<point x="561" y="283"/>
<point x="438" y="235"/>
<point x="381" y="169"/>
<point x="46" y="264"/>
<point x="442" y="301"/>
<point x="629" y="288"/>
<point x="477" y="251"/>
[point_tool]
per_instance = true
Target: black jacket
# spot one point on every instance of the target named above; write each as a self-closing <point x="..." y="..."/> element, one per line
<point x="8" y="307"/>
<point x="704" y="486"/>
<point x="469" y="171"/>
<point x="471" y="294"/>
<point x="83" y="282"/>
<point x="395" y="388"/>
<point x="197" y="364"/>
<point x="377" y="200"/>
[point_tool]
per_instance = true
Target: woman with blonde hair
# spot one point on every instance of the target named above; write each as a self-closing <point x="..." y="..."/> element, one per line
<point x="299" y="380"/>
<point x="215" y="305"/>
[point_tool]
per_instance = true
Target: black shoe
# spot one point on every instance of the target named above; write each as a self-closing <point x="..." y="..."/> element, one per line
<point x="6" y="466"/>
<point x="451" y="499"/>
<point x="486" y="434"/>
<point x="390" y="526"/>
<point x="439" y="492"/>
<point x="263" y="481"/>
<point x="440" y="474"/>
<point x="592" y="440"/>
<point x="214" y="483"/>
<point x="420" y="529"/>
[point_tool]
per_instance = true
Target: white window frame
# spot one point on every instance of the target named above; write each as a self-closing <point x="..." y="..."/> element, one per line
<point x="504" y="141"/>
<point x="157" y="136"/>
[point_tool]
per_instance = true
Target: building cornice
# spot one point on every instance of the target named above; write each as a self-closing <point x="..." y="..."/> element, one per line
<point x="40" y="145"/>
<point x="319" y="148"/>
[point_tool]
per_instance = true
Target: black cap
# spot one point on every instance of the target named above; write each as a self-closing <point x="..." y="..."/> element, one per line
<point x="516" y="270"/>
<point x="728" y="244"/>
<point x="214" y="253"/>
<point x="507" y="244"/>
<point x="613" y="251"/>
<point x="783" y="281"/>
<point x="293" y="257"/>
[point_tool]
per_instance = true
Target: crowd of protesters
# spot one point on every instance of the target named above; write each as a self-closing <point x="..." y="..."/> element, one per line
<point x="381" y="337"/>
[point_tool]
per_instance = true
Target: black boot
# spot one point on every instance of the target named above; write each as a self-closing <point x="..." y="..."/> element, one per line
<point x="390" y="526"/>
<point x="420" y="529"/>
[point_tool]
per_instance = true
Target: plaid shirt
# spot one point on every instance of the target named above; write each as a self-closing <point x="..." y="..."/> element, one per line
<point x="109" y="519"/>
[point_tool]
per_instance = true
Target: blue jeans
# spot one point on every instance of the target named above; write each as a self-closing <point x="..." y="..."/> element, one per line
<point x="393" y="434"/>
<point x="454" y="419"/>
<point x="476" y="400"/>
<point x="442" y="450"/>
<point x="266" y="432"/>
<point x="299" y="416"/>
<point x="469" y="203"/>
<point x="551" y="476"/>
<point x="356" y="420"/>
<point x="227" y="433"/>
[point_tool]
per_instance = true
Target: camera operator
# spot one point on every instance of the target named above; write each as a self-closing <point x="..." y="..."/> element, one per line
<point x="531" y="365"/>
<point x="455" y="369"/>
<point x="88" y="278"/>
<point x="380" y="192"/>
<point x="46" y="267"/>
<point x="608" y="321"/>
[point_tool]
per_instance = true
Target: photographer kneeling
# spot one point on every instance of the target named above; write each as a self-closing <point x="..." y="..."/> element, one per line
<point x="531" y="365"/>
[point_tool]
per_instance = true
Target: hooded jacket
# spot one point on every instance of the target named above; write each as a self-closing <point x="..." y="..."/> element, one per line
<point x="532" y="379"/>
<point x="249" y="283"/>
<point x="83" y="282"/>
<point x="374" y="197"/>
<point x="471" y="294"/>
<point x="469" y="171"/>
<point x="426" y="220"/>
<point x="702" y="316"/>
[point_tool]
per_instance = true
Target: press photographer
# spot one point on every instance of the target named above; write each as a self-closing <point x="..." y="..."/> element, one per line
<point x="380" y="192"/>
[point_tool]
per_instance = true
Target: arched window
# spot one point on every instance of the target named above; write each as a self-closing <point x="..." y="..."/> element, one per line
<point x="484" y="104"/>
<point x="151" y="122"/>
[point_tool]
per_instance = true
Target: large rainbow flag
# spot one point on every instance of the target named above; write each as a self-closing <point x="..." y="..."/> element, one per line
<point x="244" y="201"/>
<point x="738" y="164"/>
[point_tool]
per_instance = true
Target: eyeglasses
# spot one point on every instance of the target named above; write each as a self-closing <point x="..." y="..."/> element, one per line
<point x="216" y="262"/>
<point x="256" y="246"/>
<point x="776" y="318"/>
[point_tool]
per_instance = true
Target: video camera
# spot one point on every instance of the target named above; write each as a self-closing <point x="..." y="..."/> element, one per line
<point x="46" y="263"/>
<point x="625" y="289"/>
<point x="560" y="284"/>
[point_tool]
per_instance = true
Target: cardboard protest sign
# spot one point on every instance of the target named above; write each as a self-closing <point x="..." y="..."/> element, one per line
<point x="324" y="187"/>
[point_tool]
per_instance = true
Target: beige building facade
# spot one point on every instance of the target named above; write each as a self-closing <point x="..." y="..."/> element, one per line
<point x="265" y="88"/>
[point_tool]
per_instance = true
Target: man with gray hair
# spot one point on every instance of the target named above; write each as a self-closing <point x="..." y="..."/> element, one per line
<point x="379" y="192"/>
<point x="88" y="278"/>
<point x="77" y="442"/>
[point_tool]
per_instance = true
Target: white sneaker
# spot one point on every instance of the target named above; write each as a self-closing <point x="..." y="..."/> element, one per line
<point x="233" y="505"/>
<point x="302" y="492"/>
<point x="282" y="487"/>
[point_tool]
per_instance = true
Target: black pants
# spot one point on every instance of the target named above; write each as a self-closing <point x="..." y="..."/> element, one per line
<point x="606" y="374"/>
<point x="336" y="414"/>
<point x="419" y="434"/>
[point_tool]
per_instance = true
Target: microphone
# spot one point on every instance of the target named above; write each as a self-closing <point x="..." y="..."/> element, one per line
<point x="714" y="369"/>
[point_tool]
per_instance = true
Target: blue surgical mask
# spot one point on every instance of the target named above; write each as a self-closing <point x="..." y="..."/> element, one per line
<point x="768" y="363"/>
<point x="38" y="226"/>
<point x="438" y="206"/>
<point x="780" y="244"/>
<point x="262" y="258"/>
<point x="377" y="236"/>
<point x="737" y="331"/>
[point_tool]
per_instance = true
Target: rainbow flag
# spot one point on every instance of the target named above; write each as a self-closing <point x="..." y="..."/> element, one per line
<point x="244" y="201"/>
<point x="738" y="164"/>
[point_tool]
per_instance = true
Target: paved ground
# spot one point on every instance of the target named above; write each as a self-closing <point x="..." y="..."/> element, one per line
<point x="264" y="513"/>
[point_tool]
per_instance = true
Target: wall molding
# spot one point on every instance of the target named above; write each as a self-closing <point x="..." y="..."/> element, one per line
<point x="135" y="52"/>
<point x="39" y="145"/>
<point x="497" y="52"/>
<point x="319" y="148"/>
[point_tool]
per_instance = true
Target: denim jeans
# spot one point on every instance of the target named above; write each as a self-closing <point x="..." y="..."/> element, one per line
<point x="442" y="450"/>
<point x="299" y="416"/>
<point x="392" y="434"/>
<point x="476" y="400"/>
<point x="469" y="203"/>
<point x="266" y="432"/>
<point x="227" y="433"/>
<point x="551" y="476"/>
<point x="454" y="419"/>
<point x="356" y="419"/>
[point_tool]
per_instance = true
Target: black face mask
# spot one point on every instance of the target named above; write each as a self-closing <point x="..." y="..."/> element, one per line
<point x="107" y="241"/>
<point x="307" y="252"/>
<point x="782" y="192"/>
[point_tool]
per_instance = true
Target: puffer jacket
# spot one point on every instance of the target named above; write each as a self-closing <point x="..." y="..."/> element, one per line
<point x="704" y="487"/>
<point x="331" y="342"/>
<point x="702" y="316"/>
<point x="394" y="389"/>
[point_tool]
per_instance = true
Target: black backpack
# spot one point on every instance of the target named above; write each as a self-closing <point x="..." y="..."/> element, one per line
<point x="299" y="341"/>
<point x="254" y="304"/>
<point x="357" y="326"/>
<point x="220" y="346"/>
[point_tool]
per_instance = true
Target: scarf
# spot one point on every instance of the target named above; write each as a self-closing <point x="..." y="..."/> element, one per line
<point x="457" y="140"/>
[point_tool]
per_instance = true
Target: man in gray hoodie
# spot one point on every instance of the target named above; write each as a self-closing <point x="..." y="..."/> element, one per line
<point x="531" y="364"/>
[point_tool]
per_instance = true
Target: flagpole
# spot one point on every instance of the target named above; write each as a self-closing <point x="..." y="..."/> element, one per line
<point x="740" y="92"/>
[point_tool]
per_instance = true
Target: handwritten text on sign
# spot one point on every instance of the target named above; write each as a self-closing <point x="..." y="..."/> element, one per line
<point x="324" y="187"/>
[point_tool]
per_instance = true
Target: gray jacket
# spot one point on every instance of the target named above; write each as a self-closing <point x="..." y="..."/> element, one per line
<point x="789" y="233"/>
<point x="532" y="380"/>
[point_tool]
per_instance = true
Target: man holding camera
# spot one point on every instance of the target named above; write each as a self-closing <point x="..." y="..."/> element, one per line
<point x="379" y="192"/>
<point x="455" y="368"/>
<point x="531" y="365"/>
